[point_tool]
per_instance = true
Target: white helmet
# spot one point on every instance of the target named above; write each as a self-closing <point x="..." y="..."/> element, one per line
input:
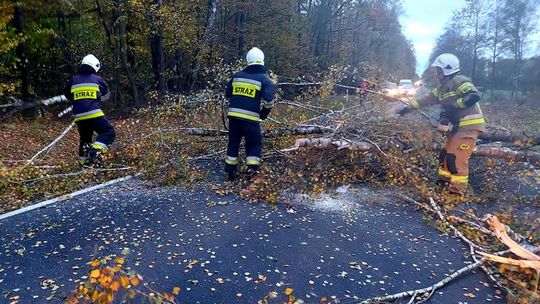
<point x="449" y="63"/>
<point x="92" y="61"/>
<point x="255" y="56"/>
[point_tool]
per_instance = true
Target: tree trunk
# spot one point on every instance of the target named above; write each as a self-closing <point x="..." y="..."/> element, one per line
<point x="368" y="147"/>
<point x="203" y="41"/>
<point x="63" y="40"/>
<point x="22" y="65"/>
<point x="156" y="42"/>
<point x="123" y="52"/>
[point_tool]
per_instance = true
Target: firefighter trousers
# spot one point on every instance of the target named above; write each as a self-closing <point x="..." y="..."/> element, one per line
<point x="454" y="159"/>
<point x="105" y="134"/>
<point x="251" y="132"/>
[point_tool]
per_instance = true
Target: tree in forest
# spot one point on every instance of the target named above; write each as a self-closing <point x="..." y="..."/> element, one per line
<point x="521" y="19"/>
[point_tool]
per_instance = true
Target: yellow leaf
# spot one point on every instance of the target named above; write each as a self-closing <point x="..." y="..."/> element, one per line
<point x="288" y="291"/>
<point x="168" y="297"/>
<point x="124" y="281"/>
<point x="119" y="260"/>
<point x="115" y="286"/>
<point x="134" y="281"/>
<point x="95" y="263"/>
<point x="176" y="291"/>
<point x="94" y="274"/>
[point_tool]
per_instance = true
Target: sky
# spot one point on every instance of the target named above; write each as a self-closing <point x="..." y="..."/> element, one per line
<point x="424" y="21"/>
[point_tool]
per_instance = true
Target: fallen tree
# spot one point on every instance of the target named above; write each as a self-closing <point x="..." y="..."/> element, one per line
<point x="364" y="146"/>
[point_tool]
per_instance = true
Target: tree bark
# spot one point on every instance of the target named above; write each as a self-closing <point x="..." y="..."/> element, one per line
<point x="203" y="41"/>
<point x="485" y="151"/>
<point x="18" y="20"/>
<point x="156" y="42"/>
<point x="123" y="51"/>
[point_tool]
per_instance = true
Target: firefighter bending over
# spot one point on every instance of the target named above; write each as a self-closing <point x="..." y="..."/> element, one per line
<point x="461" y="119"/>
<point x="86" y="90"/>
<point x="246" y="90"/>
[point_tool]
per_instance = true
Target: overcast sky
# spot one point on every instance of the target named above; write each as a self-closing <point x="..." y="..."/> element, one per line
<point x="423" y="22"/>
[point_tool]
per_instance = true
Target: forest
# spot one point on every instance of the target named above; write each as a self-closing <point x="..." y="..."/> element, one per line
<point x="335" y="135"/>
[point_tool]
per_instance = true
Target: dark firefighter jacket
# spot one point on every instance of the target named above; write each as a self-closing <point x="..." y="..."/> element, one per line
<point x="86" y="90"/>
<point x="246" y="90"/>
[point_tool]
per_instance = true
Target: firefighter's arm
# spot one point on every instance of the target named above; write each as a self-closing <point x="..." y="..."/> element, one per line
<point x="228" y="90"/>
<point x="104" y="89"/>
<point x="268" y="94"/>
<point x="421" y="102"/>
<point x="467" y="95"/>
<point x="67" y="90"/>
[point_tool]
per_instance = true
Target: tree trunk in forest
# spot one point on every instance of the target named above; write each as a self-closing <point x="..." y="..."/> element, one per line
<point x="203" y="41"/>
<point x="495" y="45"/>
<point x="240" y="20"/>
<point x="63" y="40"/>
<point x="120" y="27"/>
<point x="22" y="65"/>
<point x="156" y="42"/>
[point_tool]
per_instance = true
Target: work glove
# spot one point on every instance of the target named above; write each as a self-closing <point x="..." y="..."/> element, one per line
<point x="404" y="110"/>
<point x="444" y="125"/>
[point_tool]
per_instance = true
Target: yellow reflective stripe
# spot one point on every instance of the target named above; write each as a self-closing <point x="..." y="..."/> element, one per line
<point x="469" y="122"/>
<point x="415" y="104"/>
<point x="85" y="88"/>
<point x="246" y="85"/>
<point x="461" y="179"/>
<point x="245" y="116"/>
<point x="231" y="162"/>
<point x="90" y="116"/>
<point x="464" y="88"/>
<point x="99" y="147"/>
<point x="460" y="104"/>
<point x="445" y="173"/>
<point x="253" y="162"/>
<point x="435" y="92"/>
<point x="444" y="96"/>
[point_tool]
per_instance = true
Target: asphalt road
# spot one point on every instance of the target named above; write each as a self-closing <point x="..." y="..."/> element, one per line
<point x="346" y="247"/>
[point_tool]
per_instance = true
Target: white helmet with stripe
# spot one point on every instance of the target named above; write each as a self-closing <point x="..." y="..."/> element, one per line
<point x="255" y="56"/>
<point x="449" y="63"/>
<point x="92" y="61"/>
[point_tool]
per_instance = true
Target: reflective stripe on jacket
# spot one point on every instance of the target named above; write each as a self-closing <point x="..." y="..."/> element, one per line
<point x="452" y="95"/>
<point x="246" y="90"/>
<point x="85" y="91"/>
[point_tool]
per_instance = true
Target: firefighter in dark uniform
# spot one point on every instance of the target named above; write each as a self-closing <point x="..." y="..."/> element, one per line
<point x="86" y="90"/>
<point x="251" y="98"/>
<point x="461" y="120"/>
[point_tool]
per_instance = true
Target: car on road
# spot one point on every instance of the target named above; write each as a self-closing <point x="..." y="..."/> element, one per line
<point x="391" y="89"/>
<point x="406" y="88"/>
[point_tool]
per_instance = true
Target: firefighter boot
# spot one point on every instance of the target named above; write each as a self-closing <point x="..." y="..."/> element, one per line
<point x="231" y="172"/>
<point x="84" y="159"/>
<point x="95" y="156"/>
<point x="252" y="171"/>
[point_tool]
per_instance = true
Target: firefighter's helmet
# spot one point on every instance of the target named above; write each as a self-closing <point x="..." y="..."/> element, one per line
<point x="449" y="63"/>
<point x="92" y="61"/>
<point x="255" y="56"/>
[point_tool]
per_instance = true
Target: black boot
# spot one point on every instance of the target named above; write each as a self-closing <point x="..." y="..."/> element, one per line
<point x="252" y="171"/>
<point x="231" y="172"/>
<point x="94" y="156"/>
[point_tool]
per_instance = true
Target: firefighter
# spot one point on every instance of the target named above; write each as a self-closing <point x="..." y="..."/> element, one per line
<point x="86" y="90"/>
<point x="461" y="120"/>
<point x="251" y="98"/>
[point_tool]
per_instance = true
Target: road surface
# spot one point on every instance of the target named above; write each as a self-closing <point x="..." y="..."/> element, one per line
<point x="345" y="247"/>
